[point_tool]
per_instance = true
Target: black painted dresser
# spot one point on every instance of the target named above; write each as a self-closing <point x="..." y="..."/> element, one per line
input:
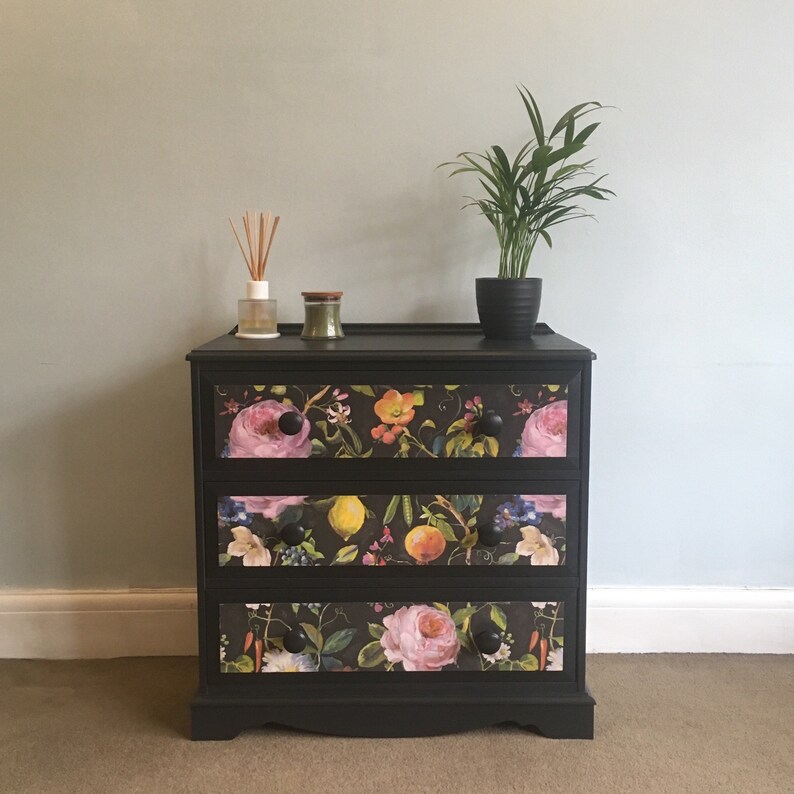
<point x="401" y="517"/>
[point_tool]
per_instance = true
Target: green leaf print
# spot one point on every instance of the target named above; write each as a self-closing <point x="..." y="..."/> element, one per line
<point x="371" y="655"/>
<point x="338" y="641"/>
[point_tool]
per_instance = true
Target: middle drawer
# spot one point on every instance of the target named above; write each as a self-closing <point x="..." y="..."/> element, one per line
<point x="249" y="532"/>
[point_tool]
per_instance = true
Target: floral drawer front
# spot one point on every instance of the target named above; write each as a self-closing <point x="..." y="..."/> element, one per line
<point x="360" y="421"/>
<point x="382" y="530"/>
<point x="408" y="637"/>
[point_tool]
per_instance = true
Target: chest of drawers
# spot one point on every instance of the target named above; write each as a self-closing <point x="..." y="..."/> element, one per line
<point x="408" y="500"/>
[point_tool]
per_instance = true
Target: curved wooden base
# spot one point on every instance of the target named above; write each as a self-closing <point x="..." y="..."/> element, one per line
<point x="216" y="716"/>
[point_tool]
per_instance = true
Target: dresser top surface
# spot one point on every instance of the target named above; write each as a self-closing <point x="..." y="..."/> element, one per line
<point x="394" y="341"/>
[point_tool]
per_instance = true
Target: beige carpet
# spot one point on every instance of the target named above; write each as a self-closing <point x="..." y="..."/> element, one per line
<point x="663" y="724"/>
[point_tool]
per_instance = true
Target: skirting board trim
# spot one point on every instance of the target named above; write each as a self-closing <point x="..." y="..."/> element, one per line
<point x="690" y="620"/>
<point x="100" y="624"/>
<point x="42" y="624"/>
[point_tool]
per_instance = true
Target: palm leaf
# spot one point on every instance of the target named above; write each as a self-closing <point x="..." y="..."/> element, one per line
<point x="521" y="201"/>
<point x="533" y="113"/>
<point x="576" y="112"/>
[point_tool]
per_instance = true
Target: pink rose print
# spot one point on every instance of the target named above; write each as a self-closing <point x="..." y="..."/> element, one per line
<point x="255" y="434"/>
<point x="268" y="506"/>
<point x="421" y="637"/>
<point x="548" y="503"/>
<point x="546" y="432"/>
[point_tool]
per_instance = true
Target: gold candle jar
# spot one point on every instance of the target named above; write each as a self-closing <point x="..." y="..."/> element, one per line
<point x="322" y="319"/>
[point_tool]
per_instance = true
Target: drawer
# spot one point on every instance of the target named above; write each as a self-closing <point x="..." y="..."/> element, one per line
<point x="246" y="416"/>
<point x="519" y="638"/>
<point x="251" y="533"/>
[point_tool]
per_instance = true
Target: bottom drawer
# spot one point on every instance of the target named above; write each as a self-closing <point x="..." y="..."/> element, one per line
<point x="520" y="637"/>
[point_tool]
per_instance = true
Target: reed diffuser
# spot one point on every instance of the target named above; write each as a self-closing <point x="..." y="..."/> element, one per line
<point x="256" y="313"/>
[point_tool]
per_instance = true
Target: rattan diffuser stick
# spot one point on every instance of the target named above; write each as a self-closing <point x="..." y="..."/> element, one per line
<point x="259" y="235"/>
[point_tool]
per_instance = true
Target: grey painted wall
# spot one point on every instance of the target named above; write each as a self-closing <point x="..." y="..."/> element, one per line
<point x="132" y="129"/>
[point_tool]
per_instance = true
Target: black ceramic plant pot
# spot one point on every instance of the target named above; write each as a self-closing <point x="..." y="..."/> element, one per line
<point x="508" y="307"/>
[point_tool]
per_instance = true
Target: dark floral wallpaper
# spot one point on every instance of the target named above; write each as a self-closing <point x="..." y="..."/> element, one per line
<point x="405" y="421"/>
<point x="397" y="529"/>
<point x="411" y="637"/>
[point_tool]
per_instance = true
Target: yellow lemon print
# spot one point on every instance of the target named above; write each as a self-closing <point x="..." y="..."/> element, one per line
<point x="347" y="516"/>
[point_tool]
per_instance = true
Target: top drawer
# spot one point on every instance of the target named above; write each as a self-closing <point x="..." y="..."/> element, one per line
<point x="248" y="416"/>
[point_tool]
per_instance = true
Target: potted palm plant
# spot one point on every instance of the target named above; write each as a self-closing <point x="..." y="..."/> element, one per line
<point x="524" y="200"/>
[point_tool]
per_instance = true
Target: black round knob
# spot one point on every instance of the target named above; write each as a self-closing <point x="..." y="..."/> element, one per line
<point x="295" y="640"/>
<point x="290" y="423"/>
<point x="490" y="535"/>
<point x="490" y="424"/>
<point x="292" y="534"/>
<point x="488" y="642"/>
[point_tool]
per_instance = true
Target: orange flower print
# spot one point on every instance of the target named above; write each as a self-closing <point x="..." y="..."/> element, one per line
<point x="395" y="408"/>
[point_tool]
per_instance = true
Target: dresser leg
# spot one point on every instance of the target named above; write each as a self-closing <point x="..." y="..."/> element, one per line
<point x="212" y="733"/>
<point x="562" y="721"/>
<point x="211" y="721"/>
<point x="206" y="726"/>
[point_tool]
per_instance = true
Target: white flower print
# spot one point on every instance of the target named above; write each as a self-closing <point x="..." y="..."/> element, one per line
<point x="249" y="547"/>
<point x="500" y="656"/>
<point x="286" y="662"/>
<point x="537" y="546"/>
<point x="554" y="661"/>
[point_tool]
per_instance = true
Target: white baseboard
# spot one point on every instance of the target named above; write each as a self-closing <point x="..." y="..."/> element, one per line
<point x="100" y="624"/>
<point x="107" y="624"/>
<point x="689" y="620"/>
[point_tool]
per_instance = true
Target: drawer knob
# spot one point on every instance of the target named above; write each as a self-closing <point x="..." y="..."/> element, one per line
<point x="295" y="640"/>
<point x="290" y="423"/>
<point x="489" y="535"/>
<point x="490" y="424"/>
<point x="292" y="534"/>
<point x="488" y="642"/>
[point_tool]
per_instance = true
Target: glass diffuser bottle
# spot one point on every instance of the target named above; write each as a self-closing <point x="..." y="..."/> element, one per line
<point x="256" y="313"/>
